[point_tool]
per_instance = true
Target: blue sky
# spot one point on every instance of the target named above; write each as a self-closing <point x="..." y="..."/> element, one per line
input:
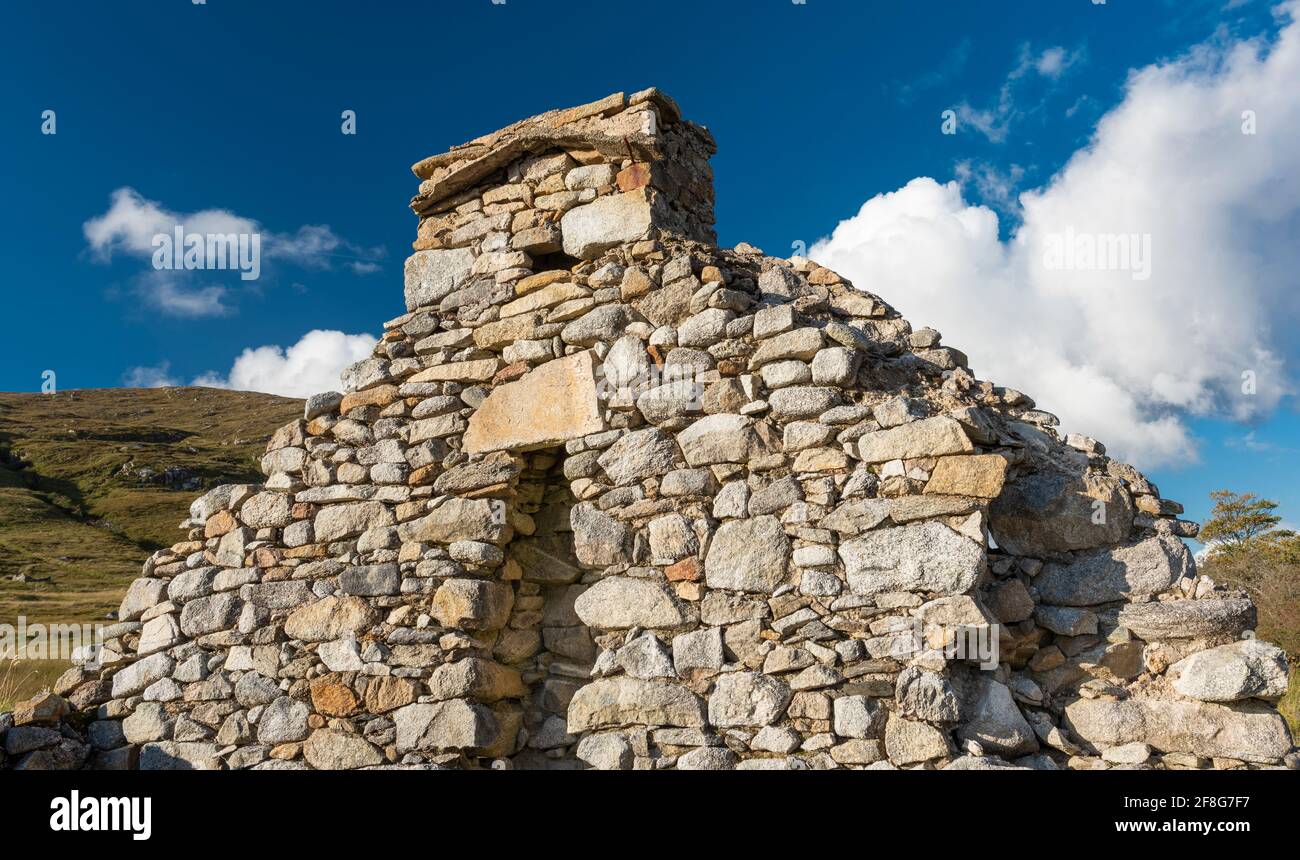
<point x="817" y="108"/>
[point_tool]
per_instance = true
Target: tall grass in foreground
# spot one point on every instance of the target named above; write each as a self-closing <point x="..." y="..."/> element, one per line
<point x="22" y="679"/>
<point x="1290" y="704"/>
<point x="12" y="680"/>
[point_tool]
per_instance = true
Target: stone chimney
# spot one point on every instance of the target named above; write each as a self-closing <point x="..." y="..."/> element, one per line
<point x="568" y="184"/>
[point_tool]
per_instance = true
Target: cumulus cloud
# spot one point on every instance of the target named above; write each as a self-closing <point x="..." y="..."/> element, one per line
<point x="308" y="367"/>
<point x="1000" y="188"/>
<point x="1129" y="361"/>
<point x="131" y="222"/>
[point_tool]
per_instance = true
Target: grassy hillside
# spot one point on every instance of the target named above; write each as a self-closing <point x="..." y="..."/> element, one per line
<point x="92" y="481"/>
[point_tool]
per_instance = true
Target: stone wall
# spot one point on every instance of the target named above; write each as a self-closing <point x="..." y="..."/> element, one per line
<point x="609" y="496"/>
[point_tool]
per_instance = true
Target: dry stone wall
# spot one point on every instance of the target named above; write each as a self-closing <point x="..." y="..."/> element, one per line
<point x="609" y="496"/>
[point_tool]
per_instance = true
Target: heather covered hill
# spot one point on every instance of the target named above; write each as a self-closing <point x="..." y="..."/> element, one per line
<point x="93" y="481"/>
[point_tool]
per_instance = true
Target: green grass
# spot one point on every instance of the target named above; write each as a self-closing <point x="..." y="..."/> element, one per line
<point x="74" y="526"/>
<point x="1290" y="704"/>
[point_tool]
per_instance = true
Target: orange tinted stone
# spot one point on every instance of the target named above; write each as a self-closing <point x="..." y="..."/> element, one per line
<point x="686" y="570"/>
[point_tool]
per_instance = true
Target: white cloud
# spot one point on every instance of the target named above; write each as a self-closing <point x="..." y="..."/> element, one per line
<point x="308" y="367"/>
<point x="997" y="187"/>
<point x="995" y="120"/>
<point x="1053" y="62"/>
<point x="316" y="246"/>
<point x="1127" y="361"/>
<point x="172" y="293"/>
<point x="132" y="221"/>
<point x="150" y="377"/>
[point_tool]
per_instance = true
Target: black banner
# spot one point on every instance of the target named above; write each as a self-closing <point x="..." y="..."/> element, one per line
<point x="303" y="809"/>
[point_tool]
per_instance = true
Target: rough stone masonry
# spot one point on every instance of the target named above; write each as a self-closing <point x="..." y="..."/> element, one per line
<point x="609" y="496"/>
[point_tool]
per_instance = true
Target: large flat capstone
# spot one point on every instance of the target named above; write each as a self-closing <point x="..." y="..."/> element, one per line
<point x="554" y="403"/>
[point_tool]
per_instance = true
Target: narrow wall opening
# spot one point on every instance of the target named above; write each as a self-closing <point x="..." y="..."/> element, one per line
<point x="552" y="648"/>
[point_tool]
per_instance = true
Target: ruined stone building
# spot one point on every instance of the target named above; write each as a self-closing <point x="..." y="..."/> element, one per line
<point x="610" y="496"/>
